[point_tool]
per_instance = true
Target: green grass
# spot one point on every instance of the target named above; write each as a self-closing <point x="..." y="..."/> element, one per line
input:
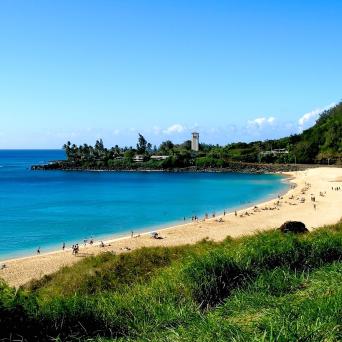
<point x="268" y="287"/>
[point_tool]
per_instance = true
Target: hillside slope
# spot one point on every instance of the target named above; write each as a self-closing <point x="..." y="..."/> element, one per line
<point x="321" y="143"/>
<point x="269" y="287"/>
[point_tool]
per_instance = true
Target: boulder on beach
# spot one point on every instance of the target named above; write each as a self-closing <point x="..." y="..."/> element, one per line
<point x="293" y="227"/>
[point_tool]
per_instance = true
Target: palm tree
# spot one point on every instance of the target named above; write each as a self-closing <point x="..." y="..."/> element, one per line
<point x="66" y="148"/>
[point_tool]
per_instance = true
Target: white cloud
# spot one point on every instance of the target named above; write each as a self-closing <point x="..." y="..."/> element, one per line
<point x="262" y="121"/>
<point x="271" y="119"/>
<point x="176" y="128"/>
<point x="156" y="130"/>
<point x="308" y="119"/>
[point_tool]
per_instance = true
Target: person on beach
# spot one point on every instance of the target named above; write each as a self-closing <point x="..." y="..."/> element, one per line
<point x="235" y="213"/>
<point x="132" y="233"/>
<point x="63" y="247"/>
<point x="38" y="250"/>
<point x="224" y="213"/>
<point x="75" y="249"/>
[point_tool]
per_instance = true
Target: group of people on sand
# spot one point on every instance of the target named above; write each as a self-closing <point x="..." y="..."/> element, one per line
<point x="75" y="249"/>
<point x="134" y="236"/>
<point x="102" y="244"/>
<point x="195" y="218"/>
<point x="85" y="241"/>
<point x="155" y="235"/>
<point x="213" y="215"/>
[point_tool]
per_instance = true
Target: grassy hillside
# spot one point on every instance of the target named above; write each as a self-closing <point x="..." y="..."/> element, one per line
<point x="321" y="143"/>
<point x="269" y="287"/>
<point x="323" y="140"/>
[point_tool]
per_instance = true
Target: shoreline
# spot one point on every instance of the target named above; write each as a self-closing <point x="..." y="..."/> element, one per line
<point x="232" y="166"/>
<point x="256" y="217"/>
<point x="112" y="237"/>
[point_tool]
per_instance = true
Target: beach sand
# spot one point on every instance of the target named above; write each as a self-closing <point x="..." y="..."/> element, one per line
<point x="325" y="210"/>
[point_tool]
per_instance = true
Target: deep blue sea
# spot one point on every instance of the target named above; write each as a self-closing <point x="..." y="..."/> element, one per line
<point x="45" y="208"/>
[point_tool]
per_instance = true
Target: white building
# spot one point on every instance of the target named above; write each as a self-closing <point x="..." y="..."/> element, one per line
<point x="275" y="152"/>
<point x="195" y="141"/>
<point x="159" y="157"/>
<point x="138" y="158"/>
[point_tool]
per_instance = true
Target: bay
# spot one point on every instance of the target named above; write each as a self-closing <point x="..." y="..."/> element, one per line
<point x="46" y="208"/>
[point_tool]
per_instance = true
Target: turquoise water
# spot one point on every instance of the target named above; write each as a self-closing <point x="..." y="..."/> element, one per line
<point x="45" y="208"/>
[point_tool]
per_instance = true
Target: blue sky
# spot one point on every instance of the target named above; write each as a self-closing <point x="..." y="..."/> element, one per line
<point x="232" y="70"/>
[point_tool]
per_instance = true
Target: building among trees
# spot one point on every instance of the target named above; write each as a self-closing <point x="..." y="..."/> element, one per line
<point x="195" y="142"/>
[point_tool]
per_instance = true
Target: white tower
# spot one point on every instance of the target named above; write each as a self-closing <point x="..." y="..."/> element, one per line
<point x="195" y="141"/>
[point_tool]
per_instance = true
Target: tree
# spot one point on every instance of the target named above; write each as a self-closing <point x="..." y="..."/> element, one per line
<point x="149" y="148"/>
<point x="166" y="147"/>
<point x="142" y="145"/>
<point x="129" y="154"/>
<point x="99" y="148"/>
<point x="67" y="149"/>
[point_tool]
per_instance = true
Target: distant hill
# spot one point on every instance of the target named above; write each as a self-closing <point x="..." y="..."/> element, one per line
<point x="321" y="143"/>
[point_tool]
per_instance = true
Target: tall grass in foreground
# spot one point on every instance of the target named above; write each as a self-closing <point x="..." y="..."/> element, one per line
<point x="268" y="287"/>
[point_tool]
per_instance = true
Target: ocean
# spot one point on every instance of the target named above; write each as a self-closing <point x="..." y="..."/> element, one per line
<point x="46" y="208"/>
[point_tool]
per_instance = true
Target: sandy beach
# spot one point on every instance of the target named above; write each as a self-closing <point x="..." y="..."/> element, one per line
<point x="297" y="204"/>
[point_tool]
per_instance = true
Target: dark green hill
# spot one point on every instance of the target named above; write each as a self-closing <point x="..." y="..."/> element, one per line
<point x="321" y="144"/>
<point x="323" y="141"/>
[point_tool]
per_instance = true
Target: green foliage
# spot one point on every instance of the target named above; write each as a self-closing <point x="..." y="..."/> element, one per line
<point x="322" y="143"/>
<point x="209" y="162"/>
<point x="212" y="277"/>
<point x="106" y="272"/>
<point x="142" y="146"/>
<point x="262" y="288"/>
<point x="176" y="161"/>
<point x="120" y="164"/>
<point x="166" y="147"/>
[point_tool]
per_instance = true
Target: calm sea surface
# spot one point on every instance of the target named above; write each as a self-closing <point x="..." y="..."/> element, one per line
<point x="45" y="208"/>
